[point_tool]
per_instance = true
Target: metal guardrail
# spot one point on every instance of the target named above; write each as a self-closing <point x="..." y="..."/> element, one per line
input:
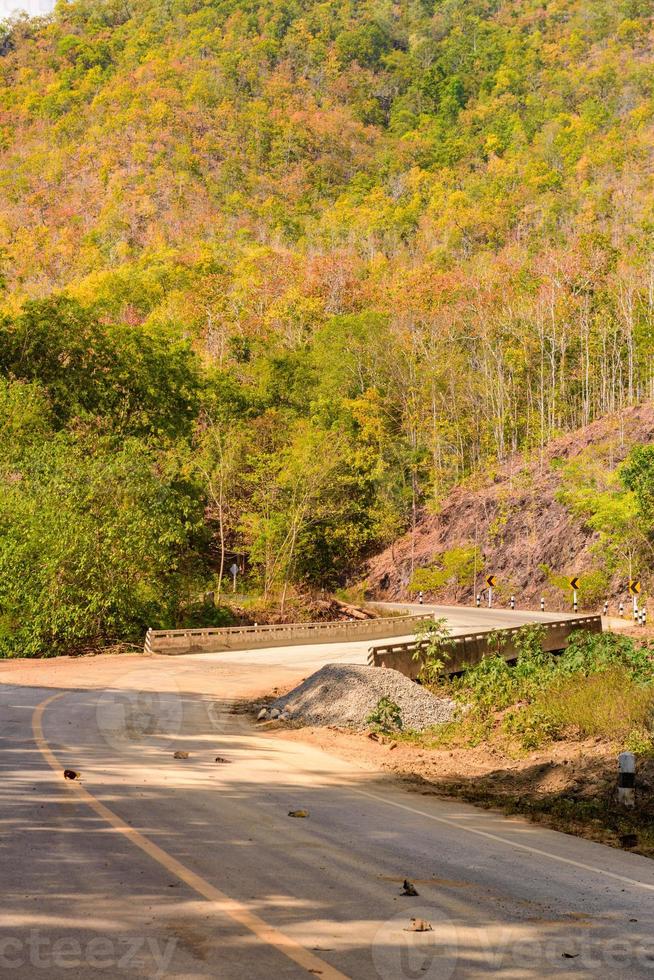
<point x="470" y="648"/>
<point x="285" y="634"/>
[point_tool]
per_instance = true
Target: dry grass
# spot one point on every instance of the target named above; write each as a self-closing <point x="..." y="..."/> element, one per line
<point x="609" y="705"/>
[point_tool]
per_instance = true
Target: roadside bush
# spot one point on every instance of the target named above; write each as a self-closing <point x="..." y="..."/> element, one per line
<point x="493" y="684"/>
<point x="386" y="717"/>
<point x="592" y="653"/>
<point x="602" y="685"/>
<point x="640" y="741"/>
<point x="434" y="650"/>
<point x="532" y="727"/>
<point x="609" y="704"/>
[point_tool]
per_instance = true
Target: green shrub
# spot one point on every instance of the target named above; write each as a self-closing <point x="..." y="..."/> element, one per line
<point x="591" y="653"/>
<point x="640" y="741"/>
<point x="455" y="568"/>
<point x="602" y="685"/>
<point x="386" y="717"/>
<point x="489" y="685"/>
<point x="532" y="727"/>
<point x="434" y="639"/>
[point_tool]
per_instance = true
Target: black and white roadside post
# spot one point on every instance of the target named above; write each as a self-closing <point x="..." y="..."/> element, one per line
<point x="605" y="611"/>
<point x="490" y="582"/>
<point x="233" y="571"/>
<point x="542" y="603"/>
<point x="512" y="602"/>
<point x="478" y="600"/>
<point x="643" y="616"/>
<point x="621" y="609"/>
<point x="627" y="779"/>
<point x="574" y="585"/>
<point x="421" y="598"/>
<point x="634" y="590"/>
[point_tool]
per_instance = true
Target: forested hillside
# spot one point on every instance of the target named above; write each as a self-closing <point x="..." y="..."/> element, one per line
<point x="276" y="275"/>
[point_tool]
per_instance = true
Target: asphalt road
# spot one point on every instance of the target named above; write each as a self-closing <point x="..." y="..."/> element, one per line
<point x="463" y="618"/>
<point x="158" y="867"/>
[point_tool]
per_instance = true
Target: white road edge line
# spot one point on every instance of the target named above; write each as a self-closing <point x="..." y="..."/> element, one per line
<point x="504" y="840"/>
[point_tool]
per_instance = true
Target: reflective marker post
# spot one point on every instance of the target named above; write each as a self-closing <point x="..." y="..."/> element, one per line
<point x="542" y="603"/>
<point x="627" y="779"/>
<point x="478" y="600"/>
<point x="634" y="589"/>
<point x="574" y="600"/>
<point x="512" y="602"/>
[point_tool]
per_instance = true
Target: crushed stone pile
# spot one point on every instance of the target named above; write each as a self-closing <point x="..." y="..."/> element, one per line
<point x="346" y="694"/>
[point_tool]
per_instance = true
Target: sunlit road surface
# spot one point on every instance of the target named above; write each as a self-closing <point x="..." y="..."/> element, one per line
<point x="159" y="867"/>
<point x="461" y="619"/>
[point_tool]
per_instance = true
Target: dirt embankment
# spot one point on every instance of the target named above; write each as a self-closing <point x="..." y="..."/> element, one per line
<point x="515" y="521"/>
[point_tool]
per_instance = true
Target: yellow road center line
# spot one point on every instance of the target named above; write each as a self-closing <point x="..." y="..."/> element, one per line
<point x="224" y="904"/>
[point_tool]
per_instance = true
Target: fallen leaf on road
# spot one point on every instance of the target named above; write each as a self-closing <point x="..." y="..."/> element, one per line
<point x="180" y="755"/>
<point x="298" y="813"/>
<point x="71" y="774"/>
<point x="408" y="888"/>
<point x="419" y="925"/>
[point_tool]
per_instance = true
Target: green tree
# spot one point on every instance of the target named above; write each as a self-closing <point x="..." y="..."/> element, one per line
<point x="453" y="569"/>
<point x="95" y="545"/>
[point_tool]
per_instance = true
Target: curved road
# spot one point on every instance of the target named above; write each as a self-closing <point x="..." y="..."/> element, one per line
<point x="160" y="867"/>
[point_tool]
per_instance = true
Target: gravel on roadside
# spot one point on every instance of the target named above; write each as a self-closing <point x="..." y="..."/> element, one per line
<point x="346" y="694"/>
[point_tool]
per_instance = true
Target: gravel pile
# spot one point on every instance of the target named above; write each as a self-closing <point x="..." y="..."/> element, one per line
<point x="345" y="694"/>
